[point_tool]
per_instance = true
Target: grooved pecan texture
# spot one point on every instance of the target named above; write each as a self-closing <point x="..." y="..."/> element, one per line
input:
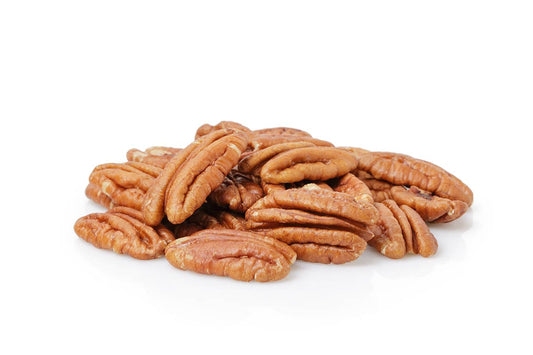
<point x="308" y="163"/>
<point x="241" y="255"/>
<point x="321" y="225"/>
<point x="123" y="230"/>
<point x="157" y="156"/>
<point x="434" y="193"/>
<point x="191" y="175"/>
<point x="123" y="184"/>
<point x="401" y="230"/>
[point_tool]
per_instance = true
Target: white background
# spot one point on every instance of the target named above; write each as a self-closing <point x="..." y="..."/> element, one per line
<point x="81" y="82"/>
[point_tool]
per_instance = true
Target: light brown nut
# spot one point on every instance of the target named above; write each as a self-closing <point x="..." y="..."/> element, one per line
<point x="241" y="255"/>
<point x="191" y="175"/>
<point x="123" y="183"/>
<point x="237" y="192"/>
<point x="430" y="207"/>
<point x="424" y="243"/>
<point x="320" y="245"/>
<point x="123" y="230"/>
<point x="400" y="169"/>
<point x="310" y="163"/>
<point x="276" y="131"/>
<point x="157" y="156"/>
<point x="323" y="225"/>
<point x="388" y="235"/>
<point x="314" y="199"/>
<point x="401" y="230"/>
<point x="278" y="217"/>
<point x="207" y="128"/>
<point x="404" y="223"/>
<point x="262" y="141"/>
<point x="254" y="161"/>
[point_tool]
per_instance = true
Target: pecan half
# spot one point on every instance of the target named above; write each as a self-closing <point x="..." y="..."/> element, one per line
<point x="123" y="230"/>
<point x="309" y="163"/>
<point x="207" y="128"/>
<point x="157" y="156"/>
<point x="401" y="230"/>
<point x="124" y="184"/>
<point x="430" y="207"/>
<point x="237" y="192"/>
<point x="321" y="225"/>
<point x="401" y="169"/>
<point x="191" y="175"/>
<point x="241" y="255"/>
<point x="254" y="161"/>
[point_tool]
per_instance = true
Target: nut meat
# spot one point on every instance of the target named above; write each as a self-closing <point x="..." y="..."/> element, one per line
<point x="191" y="175"/>
<point x="123" y="230"/>
<point x="241" y="255"/>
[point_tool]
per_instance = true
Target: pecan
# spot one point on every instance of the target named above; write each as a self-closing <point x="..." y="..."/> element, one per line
<point x="191" y="175"/>
<point x="254" y="161"/>
<point x="401" y="230"/>
<point x="430" y="207"/>
<point x="265" y="140"/>
<point x="320" y="224"/>
<point x="319" y="245"/>
<point x="123" y="230"/>
<point x="309" y="163"/>
<point x="276" y="131"/>
<point x="124" y="184"/>
<point x="434" y="193"/>
<point x="401" y="169"/>
<point x="241" y="255"/>
<point x="157" y="156"/>
<point x="207" y="128"/>
<point x="237" y="192"/>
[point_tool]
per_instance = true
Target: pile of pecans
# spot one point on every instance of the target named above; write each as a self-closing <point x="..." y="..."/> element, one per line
<point x="246" y="204"/>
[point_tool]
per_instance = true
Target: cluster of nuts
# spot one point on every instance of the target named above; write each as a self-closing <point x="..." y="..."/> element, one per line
<point x="246" y="204"/>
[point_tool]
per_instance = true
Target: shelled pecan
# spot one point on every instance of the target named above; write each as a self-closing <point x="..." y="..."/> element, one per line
<point x="122" y="184"/>
<point x="123" y="230"/>
<point x="241" y="255"/>
<point x="157" y="156"/>
<point x="308" y="163"/>
<point x="319" y="224"/>
<point x="434" y="193"/>
<point x="401" y="230"/>
<point x="191" y="175"/>
<point x="207" y="128"/>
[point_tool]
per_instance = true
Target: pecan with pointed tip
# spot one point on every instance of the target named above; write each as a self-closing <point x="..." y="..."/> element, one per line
<point x="123" y="230"/>
<point x="237" y="192"/>
<point x="121" y="184"/>
<point x="401" y="230"/>
<point x="321" y="225"/>
<point x="241" y="255"/>
<point x="191" y="175"/>
<point x="434" y="193"/>
<point x="308" y="163"/>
